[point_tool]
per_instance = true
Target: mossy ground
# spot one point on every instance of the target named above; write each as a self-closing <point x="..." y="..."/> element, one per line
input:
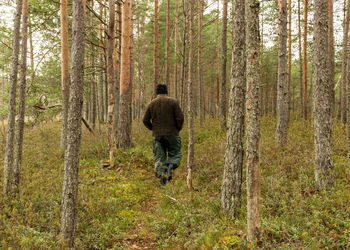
<point x="125" y="207"/>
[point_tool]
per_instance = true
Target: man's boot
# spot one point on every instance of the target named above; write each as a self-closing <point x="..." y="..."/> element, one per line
<point x="171" y="167"/>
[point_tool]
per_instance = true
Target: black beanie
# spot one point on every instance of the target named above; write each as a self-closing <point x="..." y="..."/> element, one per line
<point x="162" y="89"/>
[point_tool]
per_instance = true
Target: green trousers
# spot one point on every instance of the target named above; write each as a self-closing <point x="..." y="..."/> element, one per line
<point x="167" y="150"/>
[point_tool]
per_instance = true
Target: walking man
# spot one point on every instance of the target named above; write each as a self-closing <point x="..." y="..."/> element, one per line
<point x="165" y="118"/>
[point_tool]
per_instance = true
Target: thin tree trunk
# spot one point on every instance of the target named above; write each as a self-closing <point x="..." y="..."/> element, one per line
<point x="199" y="65"/>
<point x="289" y="57"/>
<point x="300" y="63"/>
<point x="111" y="80"/>
<point x="190" y="154"/>
<point x="176" y="30"/>
<point x="64" y="70"/>
<point x="322" y="117"/>
<point x="156" y="64"/>
<point x="345" y="64"/>
<point x="218" y="56"/>
<point x="232" y="178"/>
<point x="183" y="70"/>
<point x="253" y="119"/>
<point x="126" y="76"/>
<point x="223" y="67"/>
<point x="331" y="54"/>
<point x="71" y="159"/>
<point x="282" y="89"/>
<point x="8" y="162"/>
<point x="305" y="60"/>
<point x="101" y="82"/>
<point x="167" y="47"/>
<point x="116" y="65"/>
<point x="21" y="104"/>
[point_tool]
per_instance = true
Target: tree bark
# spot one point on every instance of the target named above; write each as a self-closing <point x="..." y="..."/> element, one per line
<point x="199" y="65"/>
<point x="8" y="162"/>
<point x="64" y="69"/>
<point x="331" y="54"/>
<point x="156" y="64"/>
<point x="322" y="117"/>
<point x="344" y="75"/>
<point x="126" y="76"/>
<point x="21" y="104"/>
<point x="290" y="93"/>
<point x="190" y="154"/>
<point x="183" y="69"/>
<point x="223" y="67"/>
<point x="300" y="63"/>
<point x="305" y="60"/>
<point x="232" y="178"/>
<point x="176" y="30"/>
<point x="71" y="159"/>
<point x="111" y="80"/>
<point x="253" y="119"/>
<point x="101" y="111"/>
<point x="282" y="88"/>
<point x="218" y="56"/>
<point x="167" y="47"/>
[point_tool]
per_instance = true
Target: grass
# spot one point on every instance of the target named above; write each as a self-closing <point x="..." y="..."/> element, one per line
<point x="125" y="207"/>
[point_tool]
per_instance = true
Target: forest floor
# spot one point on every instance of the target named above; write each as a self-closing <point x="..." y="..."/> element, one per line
<point x="125" y="207"/>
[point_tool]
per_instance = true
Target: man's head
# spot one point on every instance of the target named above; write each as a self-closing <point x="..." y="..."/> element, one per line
<point x="162" y="89"/>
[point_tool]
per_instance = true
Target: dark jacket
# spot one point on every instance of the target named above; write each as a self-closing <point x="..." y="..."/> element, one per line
<point x="163" y="116"/>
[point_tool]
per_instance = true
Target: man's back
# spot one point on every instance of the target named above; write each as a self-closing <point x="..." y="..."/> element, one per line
<point x="164" y="116"/>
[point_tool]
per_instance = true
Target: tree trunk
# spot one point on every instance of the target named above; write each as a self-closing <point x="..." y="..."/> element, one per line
<point x="289" y="58"/>
<point x="8" y="162"/>
<point x="167" y="47"/>
<point x="305" y="60"/>
<point x="111" y="80"/>
<point x="322" y="117"/>
<point x="282" y="89"/>
<point x="71" y="159"/>
<point x="218" y="56"/>
<point x="199" y="65"/>
<point x="331" y="54"/>
<point x="22" y="93"/>
<point x="232" y="179"/>
<point x="176" y="30"/>
<point x="223" y="67"/>
<point x="345" y="64"/>
<point x="126" y="76"/>
<point x="253" y="120"/>
<point x="64" y="70"/>
<point x="183" y="63"/>
<point x="100" y="82"/>
<point x="300" y="63"/>
<point x="116" y="66"/>
<point x="156" y="64"/>
<point x="190" y="154"/>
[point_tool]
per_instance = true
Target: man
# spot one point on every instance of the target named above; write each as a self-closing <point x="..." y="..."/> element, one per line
<point x="165" y="118"/>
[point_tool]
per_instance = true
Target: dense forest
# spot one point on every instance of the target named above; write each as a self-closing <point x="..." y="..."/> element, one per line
<point x="264" y="89"/>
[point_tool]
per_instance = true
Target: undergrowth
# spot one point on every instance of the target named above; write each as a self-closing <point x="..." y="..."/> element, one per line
<point x="125" y="207"/>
